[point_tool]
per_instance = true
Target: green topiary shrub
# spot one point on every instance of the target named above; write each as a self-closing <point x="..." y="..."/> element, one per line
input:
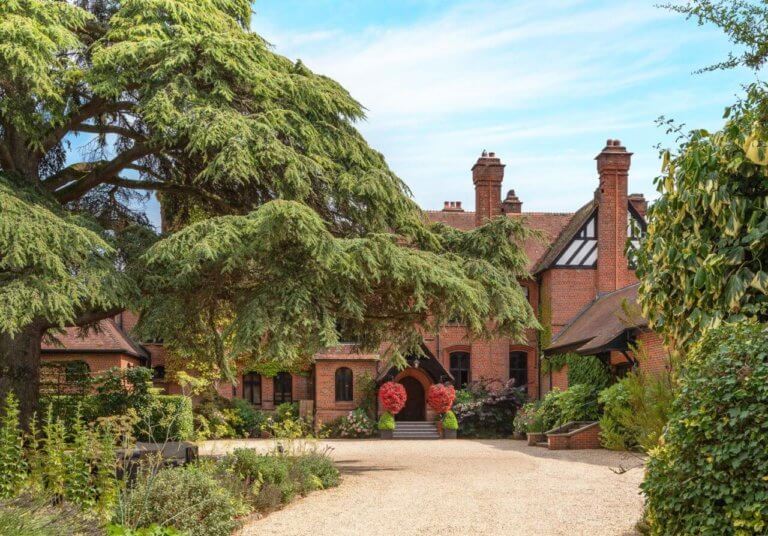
<point x="188" y="498"/>
<point x="450" y="422"/>
<point x="709" y="475"/>
<point x="249" y="419"/>
<point x="386" y="421"/>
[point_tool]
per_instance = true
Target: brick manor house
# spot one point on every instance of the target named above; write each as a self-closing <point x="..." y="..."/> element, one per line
<point x="581" y="286"/>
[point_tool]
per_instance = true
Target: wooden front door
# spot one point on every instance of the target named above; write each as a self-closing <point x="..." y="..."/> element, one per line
<point x="415" y="408"/>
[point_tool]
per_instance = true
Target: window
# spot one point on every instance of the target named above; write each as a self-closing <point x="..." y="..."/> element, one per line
<point x="518" y="368"/>
<point x="252" y="388"/>
<point x="344" y="384"/>
<point x="76" y="371"/>
<point x="636" y="228"/>
<point x="158" y="373"/>
<point x="283" y="388"/>
<point x="460" y="369"/>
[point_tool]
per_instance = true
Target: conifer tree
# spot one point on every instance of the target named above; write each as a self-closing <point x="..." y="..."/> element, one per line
<point x="287" y="224"/>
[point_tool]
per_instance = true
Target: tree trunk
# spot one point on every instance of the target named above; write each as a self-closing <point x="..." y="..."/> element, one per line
<point x="20" y="368"/>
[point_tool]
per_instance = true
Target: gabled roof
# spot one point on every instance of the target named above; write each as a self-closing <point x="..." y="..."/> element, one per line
<point x="106" y="337"/>
<point x="567" y="233"/>
<point x="601" y="323"/>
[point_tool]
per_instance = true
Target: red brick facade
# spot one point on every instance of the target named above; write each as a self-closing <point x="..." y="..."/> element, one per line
<point x="559" y="294"/>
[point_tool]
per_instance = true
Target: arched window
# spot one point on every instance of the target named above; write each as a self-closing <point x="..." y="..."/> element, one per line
<point x="283" y="388"/>
<point x="343" y="384"/>
<point x="460" y="369"/>
<point x="518" y="368"/>
<point x="252" y="388"/>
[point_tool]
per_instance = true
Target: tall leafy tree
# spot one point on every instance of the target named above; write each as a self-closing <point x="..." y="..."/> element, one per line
<point x="288" y="226"/>
<point x="705" y="259"/>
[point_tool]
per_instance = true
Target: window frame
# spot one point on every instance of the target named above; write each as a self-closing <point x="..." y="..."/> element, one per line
<point x="344" y="385"/>
<point x="459" y="371"/>
<point x="250" y="381"/>
<point x="518" y="354"/>
<point x="280" y="380"/>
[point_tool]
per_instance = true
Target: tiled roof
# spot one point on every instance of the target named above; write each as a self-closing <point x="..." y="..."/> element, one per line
<point x="550" y="224"/>
<point x="105" y="337"/>
<point x="600" y="322"/>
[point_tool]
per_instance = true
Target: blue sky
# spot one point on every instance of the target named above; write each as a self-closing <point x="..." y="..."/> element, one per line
<point x="542" y="83"/>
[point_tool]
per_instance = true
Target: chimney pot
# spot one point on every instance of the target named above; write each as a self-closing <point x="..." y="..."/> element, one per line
<point x="492" y="154"/>
<point x="484" y="153"/>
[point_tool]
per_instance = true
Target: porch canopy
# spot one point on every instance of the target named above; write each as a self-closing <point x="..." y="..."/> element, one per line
<point x="428" y="363"/>
<point x="606" y="324"/>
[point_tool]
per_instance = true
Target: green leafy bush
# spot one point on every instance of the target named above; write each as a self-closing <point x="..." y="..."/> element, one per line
<point x="527" y="419"/>
<point x="188" y="498"/>
<point x="635" y="411"/>
<point x="449" y="421"/>
<point x="167" y="418"/>
<point x="386" y="421"/>
<point x="270" y="480"/>
<point x="588" y="370"/>
<point x="709" y="474"/>
<point x="356" y="424"/>
<point x="250" y="420"/>
<point x="578" y="403"/>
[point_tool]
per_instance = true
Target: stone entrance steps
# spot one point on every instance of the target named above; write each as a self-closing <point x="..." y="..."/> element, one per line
<point x="415" y="430"/>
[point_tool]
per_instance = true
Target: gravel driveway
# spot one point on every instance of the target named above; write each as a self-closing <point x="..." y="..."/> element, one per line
<point x="466" y="487"/>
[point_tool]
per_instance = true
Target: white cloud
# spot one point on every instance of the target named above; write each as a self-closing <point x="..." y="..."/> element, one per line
<point x="543" y="83"/>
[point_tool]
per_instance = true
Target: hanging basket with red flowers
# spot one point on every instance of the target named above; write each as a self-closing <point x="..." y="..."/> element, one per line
<point x="392" y="397"/>
<point x="440" y="397"/>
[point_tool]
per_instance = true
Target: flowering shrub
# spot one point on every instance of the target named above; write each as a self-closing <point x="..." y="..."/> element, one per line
<point x="386" y="421"/>
<point x="357" y="424"/>
<point x="489" y="410"/>
<point x="440" y="397"/>
<point x="392" y="397"/>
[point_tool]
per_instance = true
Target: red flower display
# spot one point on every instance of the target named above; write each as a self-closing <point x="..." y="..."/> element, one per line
<point x="392" y="397"/>
<point x="440" y="397"/>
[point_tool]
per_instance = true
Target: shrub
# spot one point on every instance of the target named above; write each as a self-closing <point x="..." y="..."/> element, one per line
<point x="119" y="390"/>
<point x="587" y="370"/>
<point x="450" y="422"/>
<point x="32" y="516"/>
<point x="13" y="470"/>
<point x="708" y="474"/>
<point x="386" y="421"/>
<point x="366" y="385"/>
<point x="491" y="411"/>
<point x="527" y="419"/>
<point x="188" y="498"/>
<point x="392" y="397"/>
<point x="357" y="424"/>
<point x="286" y="423"/>
<point x="167" y="418"/>
<point x="250" y="420"/>
<point x="152" y="530"/>
<point x="440" y="397"/>
<point x="578" y="403"/>
<point x="635" y="411"/>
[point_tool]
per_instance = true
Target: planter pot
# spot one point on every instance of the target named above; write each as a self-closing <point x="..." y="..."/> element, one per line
<point x="385" y="434"/>
<point x="449" y="434"/>
<point x="536" y="437"/>
<point x="439" y="425"/>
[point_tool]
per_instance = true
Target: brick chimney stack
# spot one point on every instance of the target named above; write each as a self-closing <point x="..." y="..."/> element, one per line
<point x="639" y="203"/>
<point x="452" y="206"/>
<point x="487" y="176"/>
<point x="613" y="270"/>
<point x="512" y="204"/>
